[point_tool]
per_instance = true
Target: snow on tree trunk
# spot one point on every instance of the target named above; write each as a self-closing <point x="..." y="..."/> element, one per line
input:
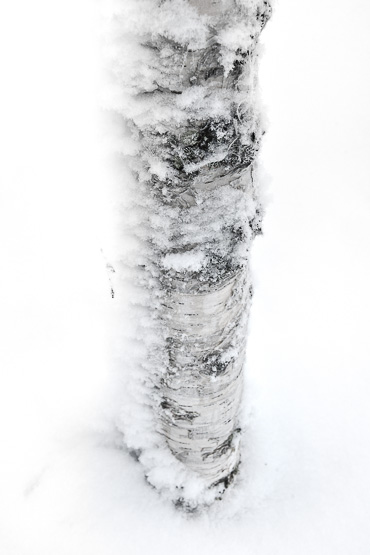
<point x="186" y="88"/>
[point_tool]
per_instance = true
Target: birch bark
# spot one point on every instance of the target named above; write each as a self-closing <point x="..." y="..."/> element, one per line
<point x="195" y="169"/>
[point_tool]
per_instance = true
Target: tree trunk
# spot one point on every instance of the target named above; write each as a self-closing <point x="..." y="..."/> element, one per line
<point x="197" y="126"/>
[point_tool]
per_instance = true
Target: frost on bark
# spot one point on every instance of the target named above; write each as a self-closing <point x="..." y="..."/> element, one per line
<point x="188" y="102"/>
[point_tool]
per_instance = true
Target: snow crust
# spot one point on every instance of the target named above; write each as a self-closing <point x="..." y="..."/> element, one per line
<point x="184" y="261"/>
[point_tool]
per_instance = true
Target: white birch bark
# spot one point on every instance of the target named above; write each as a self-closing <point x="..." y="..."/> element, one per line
<point x="195" y="119"/>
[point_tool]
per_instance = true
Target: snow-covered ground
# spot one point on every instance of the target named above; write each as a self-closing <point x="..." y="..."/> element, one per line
<point x="305" y="486"/>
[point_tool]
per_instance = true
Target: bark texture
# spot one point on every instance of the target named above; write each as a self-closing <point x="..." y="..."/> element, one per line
<point x="197" y="126"/>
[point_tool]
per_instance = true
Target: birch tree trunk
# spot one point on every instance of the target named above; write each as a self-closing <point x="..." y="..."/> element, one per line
<point x="197" y="127"/>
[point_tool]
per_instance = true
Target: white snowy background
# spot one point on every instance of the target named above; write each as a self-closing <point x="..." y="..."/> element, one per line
<point x="305" y="488"/>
